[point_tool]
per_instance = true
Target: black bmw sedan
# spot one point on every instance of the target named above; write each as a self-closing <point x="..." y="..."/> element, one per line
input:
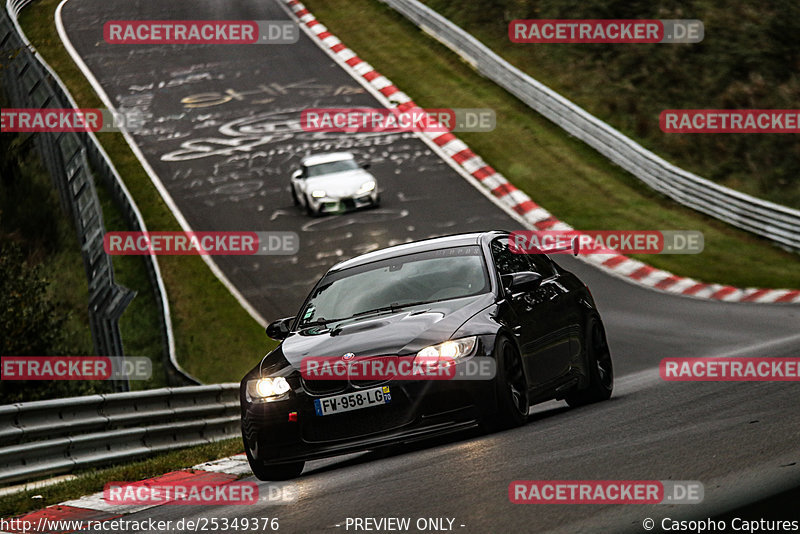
<point x="443" y="303"/>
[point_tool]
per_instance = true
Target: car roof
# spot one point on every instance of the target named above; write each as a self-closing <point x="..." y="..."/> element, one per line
<point x="317" y="159"/>
<point x="425" y="245"/>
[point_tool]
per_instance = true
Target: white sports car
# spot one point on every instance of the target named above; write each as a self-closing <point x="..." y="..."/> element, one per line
<point x="333" y="183"/>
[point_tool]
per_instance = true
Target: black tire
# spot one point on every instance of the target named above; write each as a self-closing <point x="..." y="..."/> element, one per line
<point x="309" y="210"/>
<point x="264" y="471"/>
<point x="295" y="200"/>
<point x="600" y="367"/>
<point x="377" y="203"/>
<point x="511" y="389"/>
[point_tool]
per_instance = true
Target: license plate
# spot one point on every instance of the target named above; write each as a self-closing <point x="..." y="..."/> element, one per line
<point x="352" y="401"/>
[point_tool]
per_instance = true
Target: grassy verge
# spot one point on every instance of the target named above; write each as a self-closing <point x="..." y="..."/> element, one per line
<point x="216" y="340"/>
<point x="92" y="481"/>
<point x="31" y="216"/>
<point x="139" y="325"/>
<point x="562" y="174"/>
<point x="629" y="85"/>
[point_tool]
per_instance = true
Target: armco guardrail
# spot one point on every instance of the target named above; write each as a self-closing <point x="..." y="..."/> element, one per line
<point x="53" y="437"/>
<point x="73" y="159"/>
<point x="773" y="221"/>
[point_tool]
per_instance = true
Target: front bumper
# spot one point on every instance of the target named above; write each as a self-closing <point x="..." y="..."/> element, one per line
<point x="342" y="204"/>
<point x="418" y="410"/>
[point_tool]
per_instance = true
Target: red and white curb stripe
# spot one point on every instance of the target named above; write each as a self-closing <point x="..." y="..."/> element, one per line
<point x="516" y="202"/>
<point x="95" y="508"/>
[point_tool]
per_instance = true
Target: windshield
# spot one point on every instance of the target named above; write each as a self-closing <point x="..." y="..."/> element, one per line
<point x="332" y="167"/>
<point x="390" y="284"/>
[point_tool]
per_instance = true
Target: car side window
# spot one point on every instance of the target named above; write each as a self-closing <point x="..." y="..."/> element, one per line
<point x="541" y="264"/>
<point x="508" y="263"/>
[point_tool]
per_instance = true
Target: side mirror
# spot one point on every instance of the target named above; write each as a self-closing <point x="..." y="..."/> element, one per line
<point x="366" y="166"/>
<point x="522" y="282"/>
<point x="279" y="330"/>
<point x="297" y="174"/>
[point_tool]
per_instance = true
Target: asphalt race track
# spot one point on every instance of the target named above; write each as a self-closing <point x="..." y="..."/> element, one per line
<point x="226" y="165"/>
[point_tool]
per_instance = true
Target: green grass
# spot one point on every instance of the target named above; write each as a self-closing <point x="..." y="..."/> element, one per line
<point x="67" y="274"/>
<point x="216" y="339"/>
<point x="31" y="215"/>
<point x="745" y="61"/>
<point x="561" y="174"/>
<point x="92" y="480"/>
<point x="139" y="325"/>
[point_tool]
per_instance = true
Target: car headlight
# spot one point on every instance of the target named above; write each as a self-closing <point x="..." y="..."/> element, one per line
<point x="366" y="187"/>
<point x="446" y="353"/>
<point x="319" y="193"/>
<point x="267" y="389"/>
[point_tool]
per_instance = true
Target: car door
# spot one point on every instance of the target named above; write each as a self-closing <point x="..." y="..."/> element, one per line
<point x="554" y="294"/>
<point x="543" y="326"/>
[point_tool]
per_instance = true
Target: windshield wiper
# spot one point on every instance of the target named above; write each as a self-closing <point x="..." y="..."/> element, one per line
<point x="394" y="306"/>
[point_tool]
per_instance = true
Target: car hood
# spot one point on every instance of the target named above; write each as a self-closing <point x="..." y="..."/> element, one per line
<point x="392" y="333"/>
<point x="339" y="184"/>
